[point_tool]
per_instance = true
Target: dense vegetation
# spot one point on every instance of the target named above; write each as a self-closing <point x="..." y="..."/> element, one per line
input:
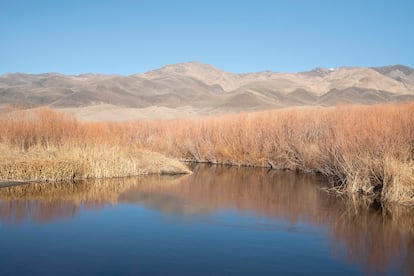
<point x="364" y="149"/>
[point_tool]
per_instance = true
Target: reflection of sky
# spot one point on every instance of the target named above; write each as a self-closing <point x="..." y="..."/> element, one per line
<point x="131" y="238"/>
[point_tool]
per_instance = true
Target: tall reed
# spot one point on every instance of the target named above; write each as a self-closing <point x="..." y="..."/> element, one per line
<point x="43" y="144"/>
<point x="362" y="149"/>
<point x="365" y="149"/>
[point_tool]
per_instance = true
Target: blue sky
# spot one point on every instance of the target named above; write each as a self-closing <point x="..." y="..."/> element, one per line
<point x="127" y="37"/>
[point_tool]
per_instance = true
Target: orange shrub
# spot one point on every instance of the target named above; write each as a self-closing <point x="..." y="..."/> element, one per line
<point x="359" y="147"/>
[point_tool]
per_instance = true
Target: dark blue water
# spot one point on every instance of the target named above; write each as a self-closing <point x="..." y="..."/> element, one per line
<point x="218" y="221"/>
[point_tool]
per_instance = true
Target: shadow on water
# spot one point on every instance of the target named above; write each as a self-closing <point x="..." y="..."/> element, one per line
<point x="373" y="235"/>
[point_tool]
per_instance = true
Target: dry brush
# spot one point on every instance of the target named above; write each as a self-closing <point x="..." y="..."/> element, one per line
<point x="46" y="145"/>
<point x="362" y="149"/>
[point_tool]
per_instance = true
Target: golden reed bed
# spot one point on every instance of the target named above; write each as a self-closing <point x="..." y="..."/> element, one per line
<point x="362" y="149"/>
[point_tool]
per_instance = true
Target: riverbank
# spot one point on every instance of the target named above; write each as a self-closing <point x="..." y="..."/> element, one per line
<point x="75" y="163"/>
<point x="361" y="149"/>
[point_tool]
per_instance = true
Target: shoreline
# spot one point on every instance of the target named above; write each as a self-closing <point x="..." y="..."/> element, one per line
<point x="339" y="190"/>
<point x="335" y="188"/>
<point x="13" y="183"/>
<point x="57" y="165"/>
<point x="361" y="149"/>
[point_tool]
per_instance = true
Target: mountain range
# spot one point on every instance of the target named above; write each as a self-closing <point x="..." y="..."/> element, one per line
<point x="195" y="88"/>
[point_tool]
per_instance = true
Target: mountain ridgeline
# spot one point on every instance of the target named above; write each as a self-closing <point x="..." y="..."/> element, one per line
<point x="204" y="87"/>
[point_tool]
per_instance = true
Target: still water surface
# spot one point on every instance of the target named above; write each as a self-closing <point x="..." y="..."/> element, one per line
<point x="217" y="221"/>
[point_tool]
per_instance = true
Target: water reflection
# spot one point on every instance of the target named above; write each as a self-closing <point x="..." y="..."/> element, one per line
<point x="44" y="202"/>
<point x="376" y="236"/>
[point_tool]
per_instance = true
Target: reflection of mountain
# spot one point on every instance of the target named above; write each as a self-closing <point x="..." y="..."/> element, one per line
<point x="374" y="235"/>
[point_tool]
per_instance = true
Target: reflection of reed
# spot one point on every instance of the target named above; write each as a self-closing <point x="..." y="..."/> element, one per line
<point x="48" y="201"/>
<point x="374" y="235"/>
<point x="268" y="193"/>
<point x="377" y="235"/>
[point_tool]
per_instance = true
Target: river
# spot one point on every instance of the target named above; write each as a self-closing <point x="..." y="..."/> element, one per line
<point x="218" y="221"/>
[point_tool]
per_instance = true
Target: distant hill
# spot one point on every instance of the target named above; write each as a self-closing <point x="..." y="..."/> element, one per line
<point x="204" y="89"/>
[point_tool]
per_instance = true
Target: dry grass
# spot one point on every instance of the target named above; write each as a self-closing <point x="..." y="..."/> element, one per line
<point x="363" y="149"/>
<point x="82" y="163"/>
<point x="43" y="144"/>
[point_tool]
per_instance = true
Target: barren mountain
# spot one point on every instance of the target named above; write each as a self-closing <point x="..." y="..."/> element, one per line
<point x="186" y="89"/>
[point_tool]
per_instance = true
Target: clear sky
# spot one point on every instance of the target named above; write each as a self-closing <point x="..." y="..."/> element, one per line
<point x="126" y="37"/>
